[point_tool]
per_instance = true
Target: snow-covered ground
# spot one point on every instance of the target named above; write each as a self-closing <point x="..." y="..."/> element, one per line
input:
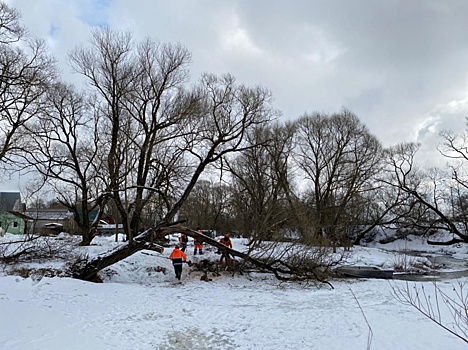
<point x="140" y="307"/>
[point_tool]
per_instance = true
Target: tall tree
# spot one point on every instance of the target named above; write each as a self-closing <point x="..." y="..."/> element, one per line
<point x="145" y="107"/>
<point x="64" y="148"/>
<point x="339" y="158"/>
<point x="261" y="184"/>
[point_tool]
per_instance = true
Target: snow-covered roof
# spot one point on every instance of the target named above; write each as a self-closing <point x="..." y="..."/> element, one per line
<point x="48" y="214"/>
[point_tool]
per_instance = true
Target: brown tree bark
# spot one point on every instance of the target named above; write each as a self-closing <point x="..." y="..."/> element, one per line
<point x="88" y="269"/>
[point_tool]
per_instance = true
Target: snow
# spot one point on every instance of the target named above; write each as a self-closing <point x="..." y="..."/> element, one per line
<point x="140" y="307"/>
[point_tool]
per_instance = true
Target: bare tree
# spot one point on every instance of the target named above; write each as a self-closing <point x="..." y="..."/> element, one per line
<point x="339" y="159"/>
<point x="208" y="206"/>
<point x="260" y="185"/>
<point x="454" y="147"/>
<point x="431" y="304"/>
<point x="229" y="112"/>
<point x="26" y="70"/>
<point x="384" y="207"/>
<point x="145" y="107"/>
<point x="458" y="196"/>
<point x="64" y="148"/>
<point x="11" y="30"/>
<point x="429" y="207"/>
<point x="436" y="198"/>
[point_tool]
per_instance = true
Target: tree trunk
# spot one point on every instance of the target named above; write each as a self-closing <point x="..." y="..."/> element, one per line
<point x="88" y="270"/>
<point x="450" y="242"/>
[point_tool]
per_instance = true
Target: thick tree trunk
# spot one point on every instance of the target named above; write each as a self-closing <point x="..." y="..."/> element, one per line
<point x="88" y="269"/>
<point x="87" y="237"/>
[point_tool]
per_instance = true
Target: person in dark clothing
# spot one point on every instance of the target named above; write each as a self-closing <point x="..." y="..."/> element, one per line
<point x="178" y="257"/>
<point x="183" y="240"/>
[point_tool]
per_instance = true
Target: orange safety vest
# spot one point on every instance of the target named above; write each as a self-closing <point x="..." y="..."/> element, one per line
<point x="177" y="254"/>
<point x="197" y="243"/>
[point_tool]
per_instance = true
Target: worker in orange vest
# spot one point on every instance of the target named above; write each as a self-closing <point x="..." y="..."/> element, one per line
<point x="224" y="254"/>
<point x="178" y="257"/>
<point x="198" y="244"/>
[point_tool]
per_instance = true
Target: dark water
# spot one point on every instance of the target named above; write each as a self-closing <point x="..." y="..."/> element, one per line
<point x="460" y="267"/>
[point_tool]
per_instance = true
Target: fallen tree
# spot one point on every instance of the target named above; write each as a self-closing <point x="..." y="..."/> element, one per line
<point x="88" y="268"/>
<point x="445" y="243"/>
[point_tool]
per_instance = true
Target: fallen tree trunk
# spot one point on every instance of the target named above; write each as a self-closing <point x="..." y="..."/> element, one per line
<point x="88" y="269"/>
<point x="450" y="242"/>
<point x="280" y="269"/>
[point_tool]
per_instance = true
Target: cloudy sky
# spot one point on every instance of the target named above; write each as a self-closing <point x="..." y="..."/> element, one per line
<point x="400" y="65"/>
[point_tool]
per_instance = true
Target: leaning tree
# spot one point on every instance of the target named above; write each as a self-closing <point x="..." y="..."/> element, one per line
<point x="433" y="197"/>
<point x="225" y="113"/>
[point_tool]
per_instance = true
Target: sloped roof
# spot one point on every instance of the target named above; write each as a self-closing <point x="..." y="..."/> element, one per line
<point x="48" y="214"/>
<point x="8" y="200"/>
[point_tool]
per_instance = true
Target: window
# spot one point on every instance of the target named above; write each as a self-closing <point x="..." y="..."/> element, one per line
<point x="15" y="223"/>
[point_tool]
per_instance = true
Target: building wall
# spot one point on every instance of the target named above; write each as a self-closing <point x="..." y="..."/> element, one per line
<point x="11" y="223"/>
<point x="41" y="217"/>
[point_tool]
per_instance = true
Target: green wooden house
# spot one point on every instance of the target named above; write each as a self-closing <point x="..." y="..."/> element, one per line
<point x="10" y="204"/>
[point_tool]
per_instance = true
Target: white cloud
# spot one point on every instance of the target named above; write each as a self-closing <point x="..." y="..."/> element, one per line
<point x="318" y="47"/>
<point x="237" y="41"/>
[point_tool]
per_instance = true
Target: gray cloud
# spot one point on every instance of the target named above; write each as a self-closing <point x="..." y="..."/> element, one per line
<point x="401" y="66"/>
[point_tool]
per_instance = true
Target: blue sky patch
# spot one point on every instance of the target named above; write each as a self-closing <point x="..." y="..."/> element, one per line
<point x="96" y="12"/>
<point x="53" y="29"/>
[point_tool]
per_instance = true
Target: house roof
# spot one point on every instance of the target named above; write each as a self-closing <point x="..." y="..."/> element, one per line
<point x="48" y="214"/>
<point x="8" y="200"/>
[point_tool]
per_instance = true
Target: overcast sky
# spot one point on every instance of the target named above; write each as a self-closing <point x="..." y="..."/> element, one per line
<point x="400" y="66"/>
